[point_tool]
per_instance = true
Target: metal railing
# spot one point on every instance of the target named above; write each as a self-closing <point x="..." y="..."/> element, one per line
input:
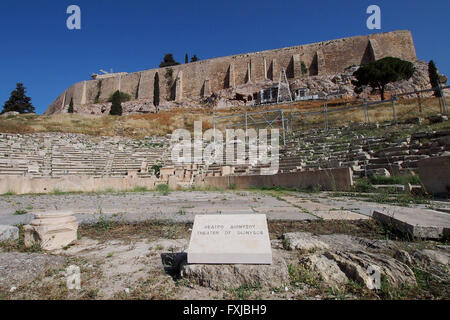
<point x="279" y="118"/>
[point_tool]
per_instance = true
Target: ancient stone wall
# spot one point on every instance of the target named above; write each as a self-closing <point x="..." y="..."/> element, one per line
<point x="197" y="79"/>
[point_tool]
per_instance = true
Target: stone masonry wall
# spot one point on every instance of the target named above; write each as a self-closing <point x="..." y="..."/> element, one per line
<point x="197" y="79"/>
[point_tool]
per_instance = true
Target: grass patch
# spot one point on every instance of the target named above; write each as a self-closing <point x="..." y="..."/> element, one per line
<point x="19" y="245"/>
<point x="303" y="274"/>
<point x="363" y="185"/>
<point x="244" y="292"/>
<point x="140" y="189"/>
<point x="359" y="228"/>
<point x="386" y="197"/>
<point x="107" y="230"/>
<point x="163" y="189"/>
<point x="233" y="186"/>
<point x="396" y="179"/>
<point x="20" y="212"/>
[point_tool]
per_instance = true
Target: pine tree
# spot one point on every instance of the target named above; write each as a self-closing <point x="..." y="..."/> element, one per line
<point x="434" y="78"/>
<point x="378" y="74"/>
<point x="18" y="101"/>
<point x="70" y="110"/>
<point x="116" y="107"/>
<point x="194" y="58"/>
<point x="186" y="58"/>
<point x="156" y="92"/>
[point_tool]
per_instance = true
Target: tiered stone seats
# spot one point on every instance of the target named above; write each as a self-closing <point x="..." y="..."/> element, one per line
<point x="340" y="147"/>
<point x="57" y="154"/>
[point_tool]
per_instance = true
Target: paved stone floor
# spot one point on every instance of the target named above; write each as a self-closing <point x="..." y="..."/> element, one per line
<point x="182" y="206"/>
<point x="177" y="206"/>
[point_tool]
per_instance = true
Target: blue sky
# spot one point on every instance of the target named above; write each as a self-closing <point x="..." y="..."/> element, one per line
<point x="39" y="50"/>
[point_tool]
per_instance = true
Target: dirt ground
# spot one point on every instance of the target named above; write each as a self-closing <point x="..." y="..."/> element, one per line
<point x="129" y="261"/>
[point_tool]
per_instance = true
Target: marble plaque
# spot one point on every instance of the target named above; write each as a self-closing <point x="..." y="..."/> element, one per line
<point x="230" y="239"/>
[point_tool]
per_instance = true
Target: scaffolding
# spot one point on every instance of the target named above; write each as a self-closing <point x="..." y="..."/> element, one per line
<point x="269" y="118"/>
<point x="284" y="92"/>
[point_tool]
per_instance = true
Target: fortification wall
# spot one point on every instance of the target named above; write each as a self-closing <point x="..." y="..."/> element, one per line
<point x="197" y="79"/>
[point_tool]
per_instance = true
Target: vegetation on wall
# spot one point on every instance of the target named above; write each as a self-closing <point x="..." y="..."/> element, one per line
<point x="99" y="91"/>
<point x="124" y="97"/>
<point x="169" y="77"/>
<point x="304" y="68"/>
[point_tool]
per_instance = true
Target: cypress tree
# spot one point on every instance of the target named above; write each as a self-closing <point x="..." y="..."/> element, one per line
<point x="18" y="101"/>
<point x="156" y="92"/>
<point x="70" y="110"/>
<point x="186" y="58"/>
<point x="434" y="78"/>
<point x="116" y="107"/>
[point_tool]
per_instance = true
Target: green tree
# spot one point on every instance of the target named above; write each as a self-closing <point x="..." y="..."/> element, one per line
<point x="186" y="58"/>
<point x="194" y="58"/>
<point x="434" y="78"/>
<point x="116" y="107"/>
<point x="168" y="61"/>
<point x="378" y="74"/>
<point x="156" y="92"/>
<point x="70" y="110"/>
<point x="18" y="101"/>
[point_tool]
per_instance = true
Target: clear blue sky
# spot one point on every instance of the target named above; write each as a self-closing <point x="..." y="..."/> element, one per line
<point x="132" y="35"/>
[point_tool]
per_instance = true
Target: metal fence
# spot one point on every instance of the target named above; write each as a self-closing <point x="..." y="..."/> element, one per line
<point x="392" y="109"/>
<point x="326" y="115"/>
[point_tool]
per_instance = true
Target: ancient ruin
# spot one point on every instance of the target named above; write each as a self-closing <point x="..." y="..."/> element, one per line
<point x="238" y="79"/>
<point x="355" y="207"/>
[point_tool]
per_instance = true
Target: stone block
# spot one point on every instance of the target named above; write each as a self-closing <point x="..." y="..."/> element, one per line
<point x="9" y="233"/>
<point x="434" y="173"/>
<point x="52" y="230"/>
<point x="173" y="183"/>
<point x="217" y="276"/>
<point x="416" y="222"/>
